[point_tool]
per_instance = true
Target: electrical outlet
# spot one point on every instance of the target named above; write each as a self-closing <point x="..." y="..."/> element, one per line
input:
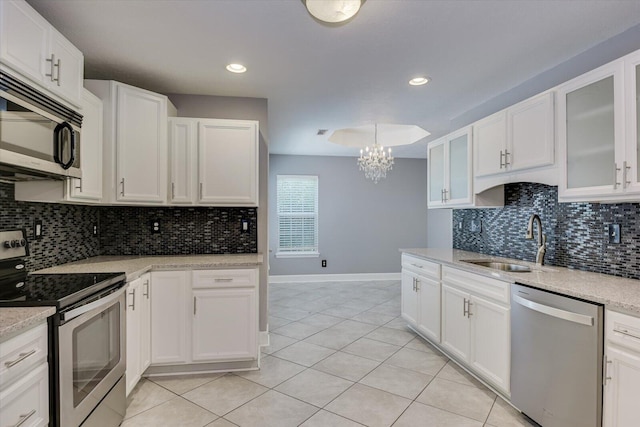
<point x="37" y="229"/>
<point x="614" y="233"/>
<point x="324" y="262"/>
<point x="95" y="228"/>
<point x="476" y="226"/>
<point x="155" y="226"/>
<point x="245" y="226"/>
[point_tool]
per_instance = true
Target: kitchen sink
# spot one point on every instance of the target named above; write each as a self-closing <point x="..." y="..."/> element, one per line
<point x="502" y="266"/>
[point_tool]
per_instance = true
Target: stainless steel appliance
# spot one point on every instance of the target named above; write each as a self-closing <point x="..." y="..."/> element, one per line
<point x="86" y="336"/>
<point x="556" y="358"/>
<point x="39" y="137"/>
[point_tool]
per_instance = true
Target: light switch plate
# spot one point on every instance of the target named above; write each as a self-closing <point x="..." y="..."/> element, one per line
<point x="614" y="233"/>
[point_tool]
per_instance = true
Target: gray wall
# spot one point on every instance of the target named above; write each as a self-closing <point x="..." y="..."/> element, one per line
<point x="439" y="223"/>
<point x="224" y="107"/>
<point x="361" y="224"/>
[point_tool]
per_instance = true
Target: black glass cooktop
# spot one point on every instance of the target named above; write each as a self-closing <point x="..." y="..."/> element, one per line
<point x="60" y="290"/>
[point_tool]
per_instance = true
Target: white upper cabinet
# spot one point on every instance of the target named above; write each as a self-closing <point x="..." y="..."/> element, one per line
<point x="183" y="137"/>
<point x="90" y="186"/>
<point x="228" y="162"/>
<point x="594" y="164"/>
<point x="489" y="142"/>
<point x="450" y="170"/>
<point x="632" y="149"/>
<point x="531" y="133"/>
<point x="30" y="46"/>
<point x="213" y="162"/>
<point x="518" y="138"/>
<point x="135" y="139"/>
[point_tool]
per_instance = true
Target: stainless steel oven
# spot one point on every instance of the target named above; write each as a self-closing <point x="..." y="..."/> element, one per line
<point x="91" y="361"/>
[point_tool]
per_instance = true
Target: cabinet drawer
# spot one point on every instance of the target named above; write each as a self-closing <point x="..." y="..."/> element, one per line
<point x="241" y="278"/>
<point x="21" y="353"/>
<point x="623" y="329"/>
<point x="26" y="403"/>
<point x="421" y="266"/>
<point x="477" y="284"/>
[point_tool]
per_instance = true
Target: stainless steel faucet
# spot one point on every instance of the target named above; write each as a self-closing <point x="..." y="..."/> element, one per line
<point x="542" y="239"/>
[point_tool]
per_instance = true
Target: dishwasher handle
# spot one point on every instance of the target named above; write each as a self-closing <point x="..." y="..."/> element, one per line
<point x="555" y="312"/>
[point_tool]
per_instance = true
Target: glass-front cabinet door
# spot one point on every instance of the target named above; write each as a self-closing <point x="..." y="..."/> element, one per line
<point x="632" y="91"/>
<point x="449" y="168"/>
<point x="436" y="172"/>
<point x="459" y="168"/>
<point x="591" y="134"/>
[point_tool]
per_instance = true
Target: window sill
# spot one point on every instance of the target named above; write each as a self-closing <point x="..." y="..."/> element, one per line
<point x="297" y="254"/>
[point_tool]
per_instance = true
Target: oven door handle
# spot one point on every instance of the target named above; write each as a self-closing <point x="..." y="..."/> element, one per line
<point x="72" y="314"/>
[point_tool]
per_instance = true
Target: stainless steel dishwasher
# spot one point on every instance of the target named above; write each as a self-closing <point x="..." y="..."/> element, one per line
<point x="556" y="358"/>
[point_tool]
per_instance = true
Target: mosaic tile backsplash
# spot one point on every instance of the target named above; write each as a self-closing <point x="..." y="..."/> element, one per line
<point x="183" y="231"/>
<point x="576" y="232"/>
<point x="68" y="230"/>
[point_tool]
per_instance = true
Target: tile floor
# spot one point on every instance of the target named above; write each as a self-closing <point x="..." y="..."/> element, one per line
<point x="340" y="355"/>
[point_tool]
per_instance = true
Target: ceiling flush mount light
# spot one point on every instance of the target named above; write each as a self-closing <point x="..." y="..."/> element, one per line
<point x="419" y="81"/>
<point x="374" y="160"/>
<point x="333" y="11"/>
<point x="236" y="68"/>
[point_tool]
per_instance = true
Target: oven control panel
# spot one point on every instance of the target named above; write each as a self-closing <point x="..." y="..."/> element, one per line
<point x="13" y="244"/>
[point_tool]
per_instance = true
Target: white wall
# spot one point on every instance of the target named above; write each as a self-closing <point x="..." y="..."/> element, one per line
<point x="361" y="224"/>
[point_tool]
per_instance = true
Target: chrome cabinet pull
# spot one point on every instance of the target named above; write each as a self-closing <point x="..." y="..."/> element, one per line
<point x="79" y="187"/>
<point x="52" y="61"/>
<point x="133" y="300"/>
<point x="445" y="198"/>
<point x="417" y="266"/>
<point x="59" y="66"/>
<point x="146" y="294"/>
<point x="223" y="279"/>
<point x="625" y="174"/>
<point x="469" y="313"/>
<point x="605" y="370"/>
<point x="414" y="284"/>
<point x="506" y="158"/>
<point x="173" y="190"/>
<point x="502" y="165"/>
<point x="20" y="358"/>
<point x="417" y="284"/>
<point x="627" y="333"/>
<point x="616" y="169"/>
<point x="122" y="183"/>
<point x="464" y="308"/>
<point x="194" y="306"/>
<point x="24" y="418"/>
<point x="200" y="191"/>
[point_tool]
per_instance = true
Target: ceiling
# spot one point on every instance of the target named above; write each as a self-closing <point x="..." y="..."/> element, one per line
<point x="320" y="77"/>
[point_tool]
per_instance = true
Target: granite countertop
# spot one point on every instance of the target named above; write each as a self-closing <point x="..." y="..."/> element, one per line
<point x="15" y="319"/>
<point x="615" y="292"/>
<point x="135" y="266"/>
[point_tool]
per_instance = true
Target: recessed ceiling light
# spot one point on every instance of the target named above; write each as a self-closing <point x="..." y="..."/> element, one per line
<point x="419" y="81"/>
<point x="236" y="68"/>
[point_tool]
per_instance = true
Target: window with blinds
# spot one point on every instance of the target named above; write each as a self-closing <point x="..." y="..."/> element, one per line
<point x="297" y="203"/>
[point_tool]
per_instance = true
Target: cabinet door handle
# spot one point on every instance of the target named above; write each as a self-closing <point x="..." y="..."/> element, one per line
<point x="122" y="183"/>
<point x="605" y="370"/>
<point x="625" y="174"/>
<point x="469" y="313"/>
<point x="442" y="195"/>
<point x="194" y="306"/>
<point x="58" y="65"/>
<point x="445" y="198"/>
<point x="146" y="294"/>
<point x="417" y="284"/>
<point x="465" y="310"/>
<point x="133" y="300"/>
<point x="52" y="61"/>
<point x="223" y="279"/>
<point x="502" y="165"/>
<point x="506" y="158"/>
<point x="616" y="169"/>
<point x="173" y="190"/>
<point x="23" y="418"/>
<point x="20" y="358"/>
<point x="200" y="191"/>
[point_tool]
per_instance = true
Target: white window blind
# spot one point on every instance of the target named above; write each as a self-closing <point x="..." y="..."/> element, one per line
<point x="297" y="200"/>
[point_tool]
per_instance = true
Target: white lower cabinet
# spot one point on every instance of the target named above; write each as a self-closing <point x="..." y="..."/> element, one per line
<point x="24" y="379"/>
<point x="169" y="317"/>
<point x="476" y="324"/>
<point x="622" y="364"/>
<point x="466" y="314"/>
<point x="138" y="329"/>
<point x="204" y="316"/>
<point x="421" y="296"/>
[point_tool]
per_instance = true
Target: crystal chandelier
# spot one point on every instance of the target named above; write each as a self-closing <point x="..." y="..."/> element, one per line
<point x="375" y="161"/>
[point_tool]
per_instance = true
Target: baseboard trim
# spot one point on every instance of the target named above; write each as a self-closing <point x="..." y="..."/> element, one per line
<point x="334" y="277"/>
